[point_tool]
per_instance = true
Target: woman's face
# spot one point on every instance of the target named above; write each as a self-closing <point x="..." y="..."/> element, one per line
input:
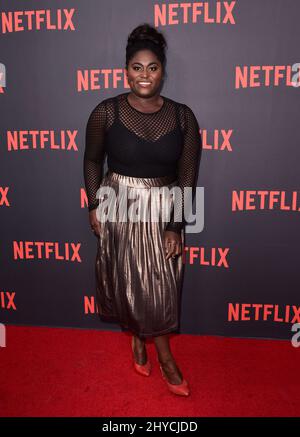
<point x="144" y="73"/>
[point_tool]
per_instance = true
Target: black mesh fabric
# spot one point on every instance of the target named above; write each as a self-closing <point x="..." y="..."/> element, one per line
<point x="143" y="144"/>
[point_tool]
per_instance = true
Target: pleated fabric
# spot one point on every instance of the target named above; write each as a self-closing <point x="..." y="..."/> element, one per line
<point x="136" y="286"/>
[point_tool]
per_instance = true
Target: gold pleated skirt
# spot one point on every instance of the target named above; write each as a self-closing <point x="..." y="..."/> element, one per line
<point x="136" y="286"/>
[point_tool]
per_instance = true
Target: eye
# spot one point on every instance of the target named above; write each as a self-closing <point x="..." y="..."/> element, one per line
<point x="154" y="68"/>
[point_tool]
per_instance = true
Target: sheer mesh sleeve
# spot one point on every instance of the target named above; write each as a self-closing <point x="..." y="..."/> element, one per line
<point x="94" y="153"/>
<point x="187" y="168"/>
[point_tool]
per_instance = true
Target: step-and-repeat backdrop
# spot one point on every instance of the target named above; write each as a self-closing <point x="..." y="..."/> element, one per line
<point x="236" y="64"/>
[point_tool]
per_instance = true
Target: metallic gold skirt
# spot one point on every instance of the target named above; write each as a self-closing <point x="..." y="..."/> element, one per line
<point x="136" y="286"/>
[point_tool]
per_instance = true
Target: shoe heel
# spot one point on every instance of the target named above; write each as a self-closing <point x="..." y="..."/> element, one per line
<point x="162" y="372"/>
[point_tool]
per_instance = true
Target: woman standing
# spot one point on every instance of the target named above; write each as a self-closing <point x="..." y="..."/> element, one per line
<point x="150" y="141"/>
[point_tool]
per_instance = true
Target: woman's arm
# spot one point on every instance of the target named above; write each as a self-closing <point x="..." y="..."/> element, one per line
<point x="187" y="169"/>
<point x="94" y="153"/>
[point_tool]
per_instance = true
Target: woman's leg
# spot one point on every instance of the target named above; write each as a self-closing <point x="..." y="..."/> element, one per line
<point x="166" y="359"/>
<point x="140" y="353"/>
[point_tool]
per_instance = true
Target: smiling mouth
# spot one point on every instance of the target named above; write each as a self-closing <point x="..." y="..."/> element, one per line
<point x="142" y="83"/>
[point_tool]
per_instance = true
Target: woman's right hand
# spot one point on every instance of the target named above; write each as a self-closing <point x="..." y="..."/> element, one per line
<point x="95" y="225"/>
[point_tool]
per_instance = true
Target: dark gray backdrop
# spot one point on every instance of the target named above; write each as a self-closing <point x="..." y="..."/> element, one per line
<point x="45" y="185"/>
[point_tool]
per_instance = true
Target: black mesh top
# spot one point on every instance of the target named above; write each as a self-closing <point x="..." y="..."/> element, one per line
<point x="142" y="144"/>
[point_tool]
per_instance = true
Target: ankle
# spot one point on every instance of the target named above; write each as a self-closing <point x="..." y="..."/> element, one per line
<point x="171" y="370"/>
<point x="139" y="351"/>
<point x="165" y="361"/>
<point x="139" y="344"/>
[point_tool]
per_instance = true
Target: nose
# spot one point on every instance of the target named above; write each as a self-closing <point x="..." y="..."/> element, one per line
<point x="145" y="75"/>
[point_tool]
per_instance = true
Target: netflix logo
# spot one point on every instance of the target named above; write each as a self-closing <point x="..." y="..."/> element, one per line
<point x="41" y="140"/>
<point x="35" y="20"/>
<point x="170" y="14"/>
<point x="254" y="76"/>
<point x="213" y="257"/>
<point x="7" y="300"/>
<point x="3" y="196"/>
<point x="250" y="200"/>
<point x="37" y="250"/>
<point x="240" y="312"/>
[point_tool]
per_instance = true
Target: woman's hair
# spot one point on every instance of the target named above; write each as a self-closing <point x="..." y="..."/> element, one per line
<point x="146" y="37"/>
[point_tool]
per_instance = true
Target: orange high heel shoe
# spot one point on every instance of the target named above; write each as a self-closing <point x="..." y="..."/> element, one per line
<point x="181" y="389"/>
<point x="142" y="369"/>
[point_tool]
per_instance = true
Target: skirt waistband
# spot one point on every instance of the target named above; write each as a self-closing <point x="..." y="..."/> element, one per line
<point x="139" y="182"/>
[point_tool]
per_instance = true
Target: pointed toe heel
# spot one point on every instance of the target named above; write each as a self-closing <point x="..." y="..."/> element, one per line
<point x="181" y="389"/>
<point x="143" y="369"/>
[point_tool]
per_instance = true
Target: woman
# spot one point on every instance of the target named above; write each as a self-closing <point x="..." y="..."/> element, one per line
<point x="150" y="141"/>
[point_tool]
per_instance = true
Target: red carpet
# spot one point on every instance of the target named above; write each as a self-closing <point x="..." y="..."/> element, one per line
<point x="75" y="372"/>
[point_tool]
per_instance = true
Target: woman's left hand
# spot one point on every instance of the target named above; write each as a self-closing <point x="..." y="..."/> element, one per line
<point x="172" y="244"/>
